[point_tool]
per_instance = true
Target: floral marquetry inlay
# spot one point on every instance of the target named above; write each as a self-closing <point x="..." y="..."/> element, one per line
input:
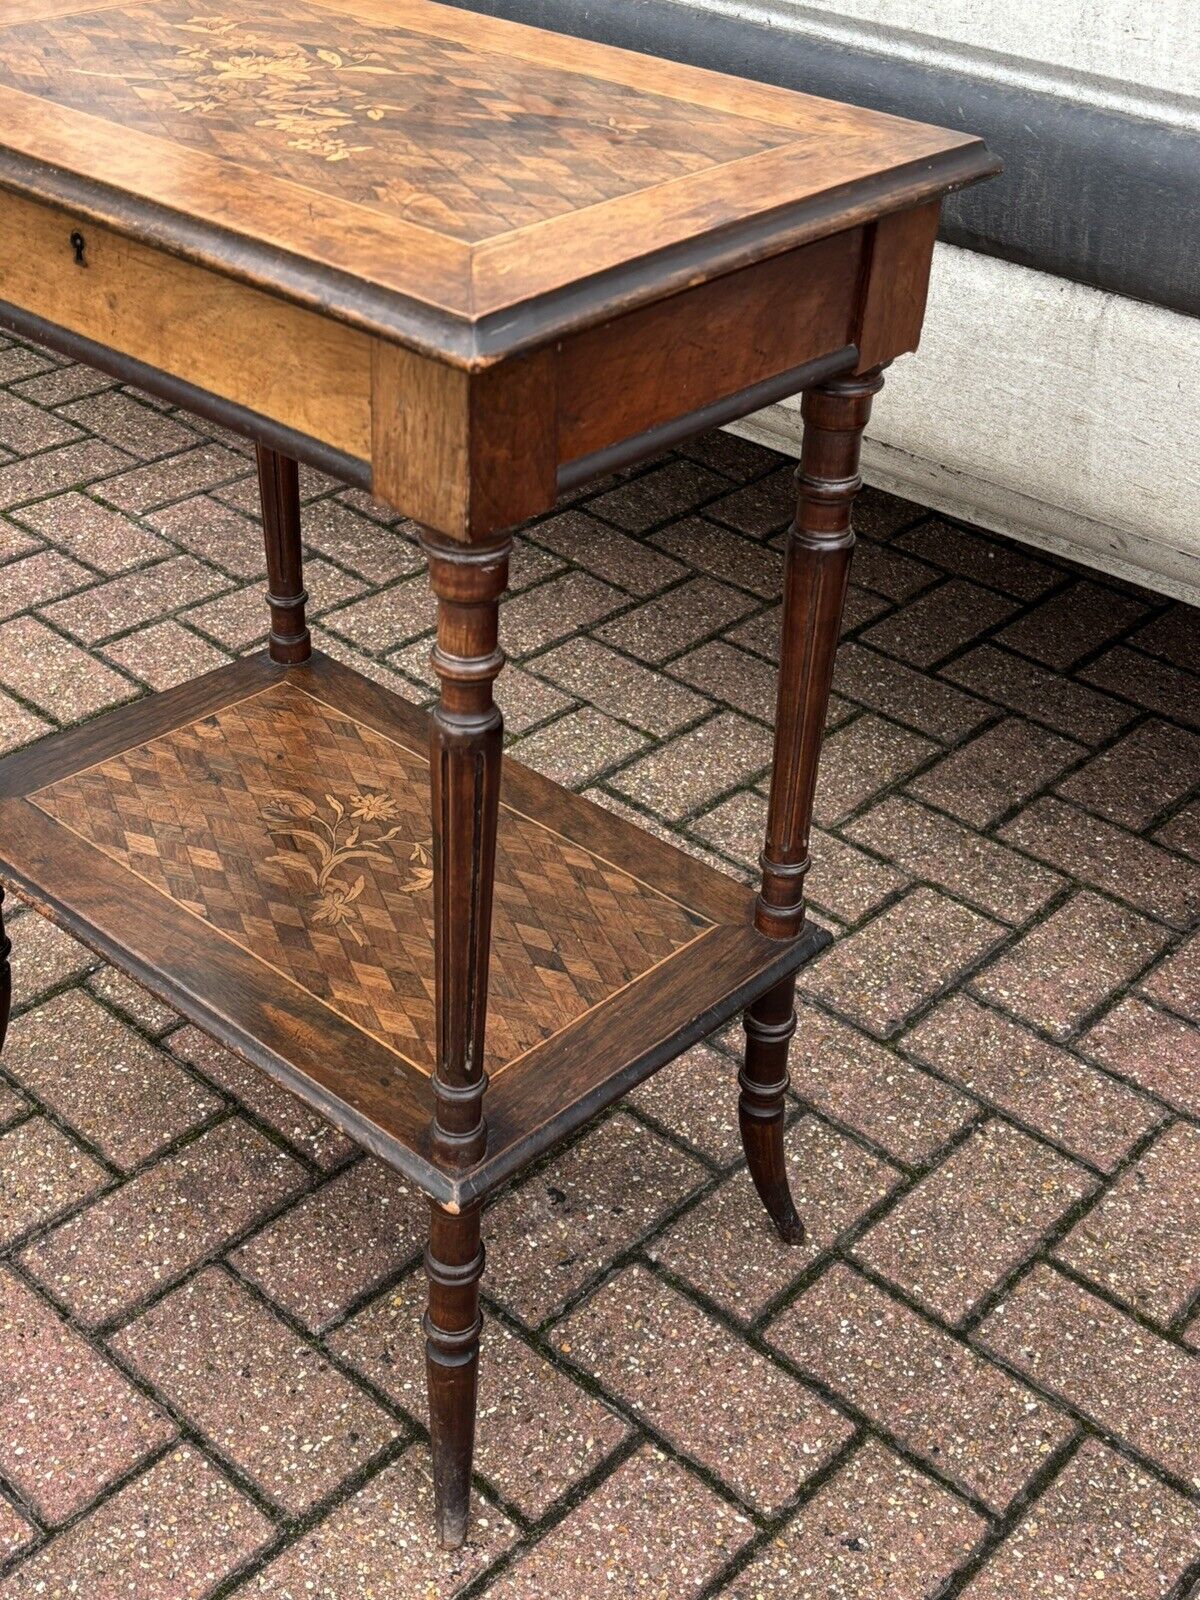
<point x="468" y="143"/>
<point x="304" y="837"/>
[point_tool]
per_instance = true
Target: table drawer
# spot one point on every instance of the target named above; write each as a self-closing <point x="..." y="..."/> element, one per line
<point x="292" y="366"/>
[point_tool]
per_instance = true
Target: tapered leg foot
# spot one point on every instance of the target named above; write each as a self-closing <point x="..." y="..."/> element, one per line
<point x="762" y="1106"/>
<point x="453" y="1264"/>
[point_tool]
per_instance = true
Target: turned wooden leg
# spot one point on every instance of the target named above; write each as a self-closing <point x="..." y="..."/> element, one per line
<point x="465" y="752"/>
<point x="814" y="590"/>
<point x="5" y="975"/>
<point x="278" y="481"/>
<point x="453" y="1264"/>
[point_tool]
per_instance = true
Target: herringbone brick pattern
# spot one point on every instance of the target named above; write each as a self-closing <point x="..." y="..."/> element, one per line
<point x="979" y="1378"/>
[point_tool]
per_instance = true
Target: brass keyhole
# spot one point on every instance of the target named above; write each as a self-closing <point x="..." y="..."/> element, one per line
<point x="78" y="244"/>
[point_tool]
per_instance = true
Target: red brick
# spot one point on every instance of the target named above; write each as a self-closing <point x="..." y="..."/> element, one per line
<point x="1141" y="1242"/>
<point x="727" y="1248"/>
<point x="926" y="630"/>
<point x="70" y="1423"/>
<point x="1063" y="704"/>
<point x="1109" y="858"/>
<point x="607" y="554"/>
<point x="878" y="1527"/>
<point x="729" y="557"/>
<point x="25" y="428"/>
<point x="762" y="507"/>
<point x="547" y="1237"/>
<point x="170" y="1216"/>
<point x="1175" y="982"/>
<point x="380" y="1543"/>
<point x="726" y="1407"/>
<point x="860" y="759"/>
<point x="195" y="471"/>
<point x="1064" y="967"/>
<point x="887" y="570"/>
<point x="552" y="610"/>
<point x="1072" y="623"/>
<point x="56" y="675"/>
<point x="337" y="1244"/>
<point x="981" y="780"/>
<point x="694" y="768"/>
<point x="578" y="747"/>
<point x="44" y="956"/>
<point x="1173" y="635"/>
<point x="173" y="1534"/>
<point x="124" y="993"/>
<point x="269" y="1403"/>
<point x="739" y="679"/>
<point x="338" y="533"/>
<point x="1138" y="777"/>
<point x="218" y="534"/>
<point x="1137" y="1386"/>
<point x="125" y="422"/>
<point x="900" y="960"/>
<point x="42" y="1175"/>
<point x="70" y="467"/>
<point x="537" y="1433"/>
<point x="18" y="725"/>
<point x="1103" y="1528"/>
<point x="164" y="654"/>
<point x="38" y="579"/>
<point x="1153" y="684"/>
<point x="1153" y="1048"/>
<point x="928" y="845"/>
<point x="662" y="492"/>
<point x="921" y="702"/>
<point x="695" y="1096"/>
<point x="859" y="1083"/>
<point x="996" y="563"/>
<point x="15" y="1532"/>
<point x="92" y="532"/>
<point x="620" y="687"/>
<point x="301" y="1126"/>
<point x="1182" y="831"/>
<point x="979" y="1427"/>
<point x="1085" y="1111"/>
<point x="650" y="1529"/>
<point x="967" y="1225"/>
<point x="662" y="628"/>
<point x="119" y="1092"/>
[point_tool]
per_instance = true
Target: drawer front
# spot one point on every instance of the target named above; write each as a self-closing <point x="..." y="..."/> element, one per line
<point x="701" y="346"/>
<point x="287" y="364"/>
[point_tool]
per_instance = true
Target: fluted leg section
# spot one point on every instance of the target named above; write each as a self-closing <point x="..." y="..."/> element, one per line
<point x="453" y="1265"/>
<point x="465" y="752"/>
<point x="279" y="485"/>
<point x="5" y="976"/>
<point x="815" y="575"/>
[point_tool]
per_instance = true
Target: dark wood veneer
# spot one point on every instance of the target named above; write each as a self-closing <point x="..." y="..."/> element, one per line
<point x="355" y="252"/>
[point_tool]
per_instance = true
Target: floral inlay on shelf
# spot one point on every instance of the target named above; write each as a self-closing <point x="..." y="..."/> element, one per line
<point x="325" y="847"/>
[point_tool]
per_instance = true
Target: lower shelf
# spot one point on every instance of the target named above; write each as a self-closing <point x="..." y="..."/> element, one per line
<point x="255" y="847"/>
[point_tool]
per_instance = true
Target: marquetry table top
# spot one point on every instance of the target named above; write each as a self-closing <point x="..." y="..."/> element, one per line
<point x="423" y="170"/>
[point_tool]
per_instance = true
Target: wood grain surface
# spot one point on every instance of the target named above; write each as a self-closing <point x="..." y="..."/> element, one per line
<point x="255" y="846"/>
<point x="425" y="171"/>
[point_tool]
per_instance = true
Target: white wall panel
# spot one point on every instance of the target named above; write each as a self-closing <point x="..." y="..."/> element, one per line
<point x="1061" y="415"/>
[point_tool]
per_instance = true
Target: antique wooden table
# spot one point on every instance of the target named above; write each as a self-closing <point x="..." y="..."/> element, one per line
<point x="466" y="265"/>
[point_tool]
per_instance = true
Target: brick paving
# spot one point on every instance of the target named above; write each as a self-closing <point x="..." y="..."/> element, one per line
<point x="980" y="1376"/>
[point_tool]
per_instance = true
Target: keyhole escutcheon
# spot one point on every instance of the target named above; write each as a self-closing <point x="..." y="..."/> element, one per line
<point x="79" y="245"/>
